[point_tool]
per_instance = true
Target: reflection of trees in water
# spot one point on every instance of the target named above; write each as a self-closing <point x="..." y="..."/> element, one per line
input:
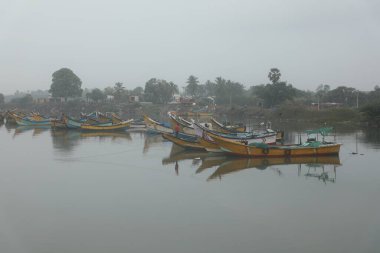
<point x="371" y="136"/>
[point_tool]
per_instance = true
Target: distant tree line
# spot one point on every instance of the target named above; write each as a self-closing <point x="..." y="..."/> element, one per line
<point x="65" y="84"/>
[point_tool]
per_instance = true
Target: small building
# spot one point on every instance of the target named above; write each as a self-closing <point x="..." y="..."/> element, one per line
<point x="41" y="100"/>
<point x="133" y="99"/>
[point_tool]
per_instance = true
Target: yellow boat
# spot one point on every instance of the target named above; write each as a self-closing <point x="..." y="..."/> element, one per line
<point x="184" y="140"/>
<point x="209" y="145"/>
<point x="11" y="116"/>
<point x="310" y="148"/>
<point x="184" y="126"/>
<point x="217" y="126"/>
<point x="116" y="127"/>
<point x="155" y="126"/>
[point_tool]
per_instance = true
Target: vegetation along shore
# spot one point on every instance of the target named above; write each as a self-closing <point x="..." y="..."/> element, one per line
<point x="276" y="101"/>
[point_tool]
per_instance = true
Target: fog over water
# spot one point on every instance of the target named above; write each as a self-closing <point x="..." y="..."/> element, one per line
<point x="311" y="42"/>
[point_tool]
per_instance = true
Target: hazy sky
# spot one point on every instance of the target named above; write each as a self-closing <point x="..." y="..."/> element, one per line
<point x="312" y="42"/>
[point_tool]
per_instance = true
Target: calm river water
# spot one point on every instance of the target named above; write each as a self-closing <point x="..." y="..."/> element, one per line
<point x="68" y="191"/>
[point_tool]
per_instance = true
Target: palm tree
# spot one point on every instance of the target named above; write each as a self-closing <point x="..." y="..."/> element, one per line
<point x="274" y="75"/>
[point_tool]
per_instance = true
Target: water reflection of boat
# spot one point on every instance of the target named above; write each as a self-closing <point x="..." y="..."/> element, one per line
<point x="79" y="134"/>
<point x="150" y="140"/>
<point x="211" y="161"/>
<point x="184" y="155"/>
<point x="238" y="164"/>
<point x="65" y="140"/>
<point x="319" y="172"/>
<point x="113" y="135"/>
<point x="36" y="129"/>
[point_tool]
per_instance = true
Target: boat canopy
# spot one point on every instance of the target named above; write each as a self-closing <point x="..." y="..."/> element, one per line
<point x="323" y="131"/>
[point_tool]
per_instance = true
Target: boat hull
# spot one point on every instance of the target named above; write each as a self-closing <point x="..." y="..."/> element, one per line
<point x="263" y="150"/>
<point x="155" y="127"/>
<point x="117" y="127"/>
<point x="188" y="143"/>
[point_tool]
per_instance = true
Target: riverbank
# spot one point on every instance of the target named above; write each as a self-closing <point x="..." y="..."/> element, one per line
<point x="233" y="114"/>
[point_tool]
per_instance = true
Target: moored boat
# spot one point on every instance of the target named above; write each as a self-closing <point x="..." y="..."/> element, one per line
<point x="33" y="120"/>
<point x="72" y="123"/>
<point x="312" y="147"/>
<point x="58" y="124"/>
<point x="184" y="140"/>
<point x="156" y="127"/>
<point x="268" y="136"/>
<point x="227" y="128"/>
<point x="122" y="126"/>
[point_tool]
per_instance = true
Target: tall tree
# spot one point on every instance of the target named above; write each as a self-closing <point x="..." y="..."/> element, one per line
<point x="24" y="101"/>
<point x="192" y="86"/>
<point x="228" y="92"/>
<point x="97" y="95"/>
<point x="138" y="91"/>
<point x="274" y="75"/>
<point x="2" y="98"/>
<point x="65" y="84"/>
<point x="210" y="88"/>
<point x="159" y="91"/>
<point x="119" y="92"/>
<point x="274" y="94"/>
<point x="109" y="91"/>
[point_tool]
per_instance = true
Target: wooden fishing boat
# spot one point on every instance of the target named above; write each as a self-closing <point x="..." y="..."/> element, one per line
<point x="185" y="126"/>
<point x="10" y="116"/>
<point x="209" y="144"/>
<point x="27" y="122"/>
<point x="268" y="136"/>
<point x="114" y="118"/>
<point x="138" y="126"/>
<point x="37" y="117"/>
<point x="217" y="126"/>
<point x="156" y="127"/>
<point x="195" y="114"/>
<point x="184" y="140"/>
<point x="31" y="121"/>
<point x="116" y="127"/>
<point x="311" y="147"/>
<point x="58" y="124"/>
<point x="235" y="164"/>
<point x="72" y="123"/>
